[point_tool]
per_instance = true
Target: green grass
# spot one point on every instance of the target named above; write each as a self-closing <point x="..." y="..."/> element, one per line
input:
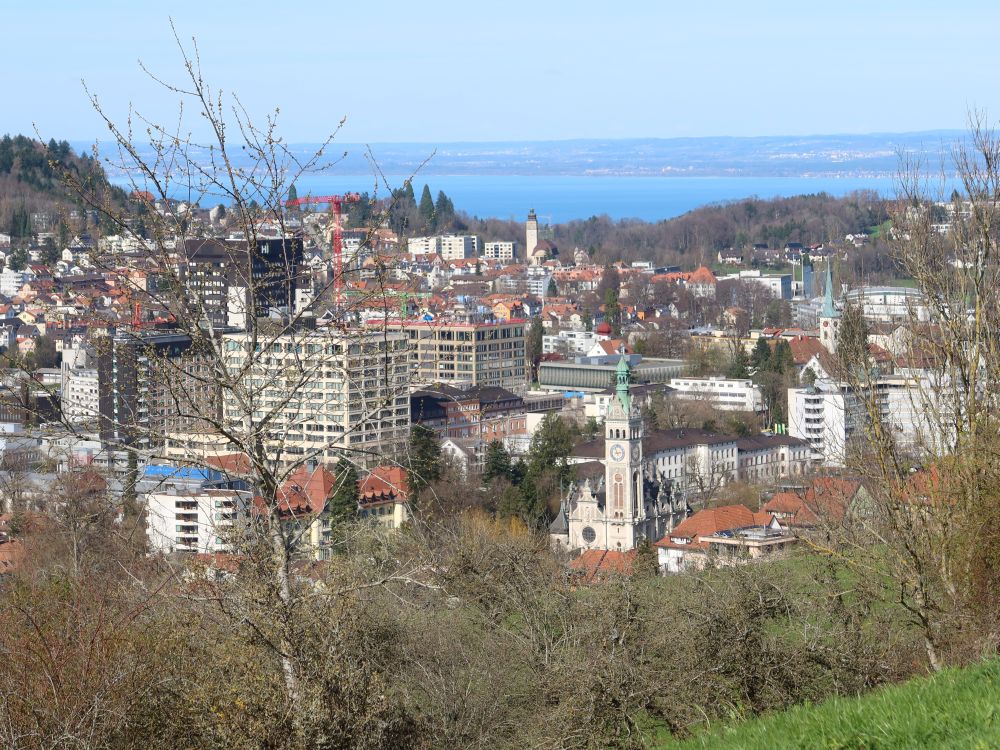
<point x="958" y="708"/>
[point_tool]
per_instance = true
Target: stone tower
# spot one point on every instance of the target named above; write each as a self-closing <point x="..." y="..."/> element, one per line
<point x="530" y="234"/>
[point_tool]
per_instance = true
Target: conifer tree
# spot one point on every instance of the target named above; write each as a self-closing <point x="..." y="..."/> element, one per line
<point x="426" y="209"/>
<point x="424" y="465"/>
<point x="739" y="365"/>
<point x="343" y="503"/>
<point x="497" y="462"/>
<point x="761" y="356"/>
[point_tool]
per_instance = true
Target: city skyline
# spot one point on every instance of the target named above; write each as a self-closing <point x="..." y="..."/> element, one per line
<point x="449" y="73"/>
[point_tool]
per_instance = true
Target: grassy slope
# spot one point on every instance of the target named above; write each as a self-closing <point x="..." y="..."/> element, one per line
<point x="959" y="708"/>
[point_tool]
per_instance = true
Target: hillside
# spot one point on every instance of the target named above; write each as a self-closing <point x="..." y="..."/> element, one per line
<point x="30" y="183"/>
<point x="954" y="709"/>
<point x="698" y="236"/>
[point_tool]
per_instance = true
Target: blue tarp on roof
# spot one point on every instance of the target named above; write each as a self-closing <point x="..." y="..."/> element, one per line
<point x="167" y="471"/>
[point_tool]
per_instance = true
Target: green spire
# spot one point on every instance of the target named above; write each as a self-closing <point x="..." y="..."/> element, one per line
<point x="829" y="311"/>
<point x="623" y="375"/>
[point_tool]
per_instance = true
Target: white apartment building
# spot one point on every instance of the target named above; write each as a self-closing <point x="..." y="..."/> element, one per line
<point x="726" y="394"/>
<point x="325" y="391"/>
<point x="889" y="304"/>
<point x="11" y="281"/>
<point x="538" y="278"/>
<point x="780" y="285"/>
<point x="826" y="416"/>
<point x="201" y="521"/>
<point x="500" y="250"/>
<point x="423" y="246"/>
<point x="459" y="246"/>
<point x="79" y="392"/>
<point x="830" y="415"/>
<point x="448" y="246"/>
<point x="571" y="343"/>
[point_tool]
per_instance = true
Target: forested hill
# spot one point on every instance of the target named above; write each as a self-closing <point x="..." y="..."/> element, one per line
<point x="699" y="235"/>
<point x="705" y="231"/>
<point x="30" y="182"/>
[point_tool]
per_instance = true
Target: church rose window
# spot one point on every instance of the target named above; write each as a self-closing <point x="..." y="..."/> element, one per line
<point x="589" y="535"/>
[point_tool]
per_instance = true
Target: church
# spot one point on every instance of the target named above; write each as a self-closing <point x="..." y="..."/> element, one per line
<point x="629" y="501"/>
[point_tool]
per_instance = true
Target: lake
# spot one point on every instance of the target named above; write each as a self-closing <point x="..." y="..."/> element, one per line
<point x="558" y="199"/>
<point x="561" y="198"/>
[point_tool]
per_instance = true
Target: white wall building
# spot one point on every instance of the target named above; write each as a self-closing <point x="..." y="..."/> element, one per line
<point x="571" y="343"/>
<point x="727" y="394"/>
<point x="11" y="281"/>
<point x="500" y="250"/>
<point x="830" y="415"/>
<point x="349" y="390"/>
<point x="201" y="521"/>
<point x="423" y="246"/>
<point x="459" y="246"/>
<point x="780" y="285"/>
<point x="538" y="278"/>
<point x="889" y="304"/>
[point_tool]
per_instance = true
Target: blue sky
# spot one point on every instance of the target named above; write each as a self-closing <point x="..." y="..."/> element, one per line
<point x="468" y="71"/>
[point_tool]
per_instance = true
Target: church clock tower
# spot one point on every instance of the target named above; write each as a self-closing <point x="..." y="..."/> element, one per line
<point x="624" y="505"/>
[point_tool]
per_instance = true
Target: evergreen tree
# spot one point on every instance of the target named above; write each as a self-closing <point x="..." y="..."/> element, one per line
<point x="342" y="505"/>
<point x="547" y="470"/>
<point x="612" y="312"/>
<point x="18" y="259"/>
<point x="783" y="361"/>
<point x="443" y="207"/>
<point x="426" y="209"/>
<point x="761" y="356"/>
<point x="553" y="290"/>
<point x="534" y="345"/>
<point x="424" y="465"/>
<point x="497" y="462"/>
<point x="739" y="365"/>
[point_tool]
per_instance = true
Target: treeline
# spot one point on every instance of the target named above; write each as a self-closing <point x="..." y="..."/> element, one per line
<point x="702" y="233"/>
<point x="699" y="235"/>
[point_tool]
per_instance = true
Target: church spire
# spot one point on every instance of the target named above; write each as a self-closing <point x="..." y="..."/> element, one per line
<point x="829" y="311"/>
<point x="624" y="377"/>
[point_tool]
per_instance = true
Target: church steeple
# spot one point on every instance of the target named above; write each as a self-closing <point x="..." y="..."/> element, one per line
<point x="829" y="317"/>
<point x="623" y="375"/>
<point x="829" y="311"/>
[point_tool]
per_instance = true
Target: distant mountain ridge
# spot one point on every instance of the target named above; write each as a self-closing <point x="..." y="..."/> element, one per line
<point x="866" y="155"/>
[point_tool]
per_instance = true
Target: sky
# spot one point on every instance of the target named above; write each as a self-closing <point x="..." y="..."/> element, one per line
<point x="439" y="72"/>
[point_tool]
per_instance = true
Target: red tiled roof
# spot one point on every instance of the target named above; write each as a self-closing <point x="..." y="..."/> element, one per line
<point x="828" y="498"/>
<point x="384" y="484"/>
<point x="711" y="521"/>
<point x="595" y="564"/>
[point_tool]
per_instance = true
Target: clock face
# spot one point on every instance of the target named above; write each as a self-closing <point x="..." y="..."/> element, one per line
<point x="617" y="453"/>
<point x="635" y="452"/>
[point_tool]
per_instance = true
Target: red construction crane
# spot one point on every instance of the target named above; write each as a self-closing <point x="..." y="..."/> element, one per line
<point x="337" y="241"/>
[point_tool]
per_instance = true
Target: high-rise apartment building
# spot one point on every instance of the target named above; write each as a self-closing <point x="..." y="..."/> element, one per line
<point x="154" y="383"/>
<point x="318" y="392"/>
<point x="225" y="282"/>
<point x="478" y="353"/>
<point x="500" y="250"/>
